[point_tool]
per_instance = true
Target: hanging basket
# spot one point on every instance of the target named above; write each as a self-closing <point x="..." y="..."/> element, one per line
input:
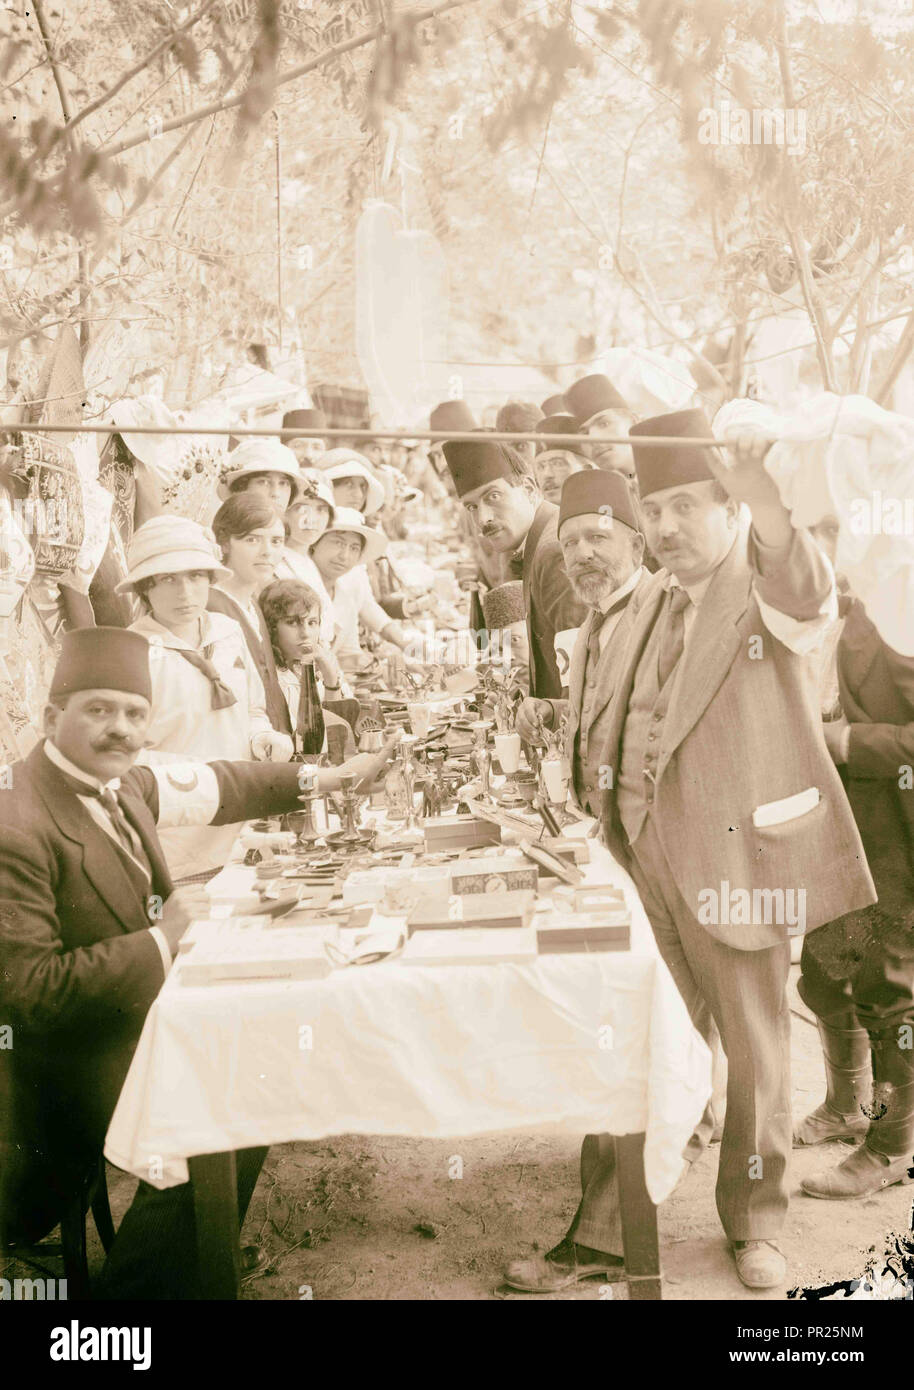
<point x="51" y="514"/>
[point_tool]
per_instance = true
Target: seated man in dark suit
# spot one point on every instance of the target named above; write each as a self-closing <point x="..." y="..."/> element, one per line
<point x="89" y="926"/>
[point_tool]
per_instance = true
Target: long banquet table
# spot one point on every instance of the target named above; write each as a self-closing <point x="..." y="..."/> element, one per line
<point x="574" y="1043"/>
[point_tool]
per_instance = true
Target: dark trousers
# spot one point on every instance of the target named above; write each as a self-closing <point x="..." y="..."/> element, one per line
<point x="154" y="1254"/>
<point x="860" y="969"/>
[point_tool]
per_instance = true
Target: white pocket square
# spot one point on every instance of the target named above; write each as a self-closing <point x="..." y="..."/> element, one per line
<point x="776" y="812"/>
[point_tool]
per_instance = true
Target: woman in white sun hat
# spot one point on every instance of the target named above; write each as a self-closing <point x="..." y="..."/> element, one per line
<point x="353" y="481"/>
<point x="306" y="520"/>
<point x="266" y="469"/>
<point x="340" y="555"/>
<point x="208" y="700"/>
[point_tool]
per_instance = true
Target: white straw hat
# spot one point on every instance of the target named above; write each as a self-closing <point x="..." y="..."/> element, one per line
<point x="347" y="463"/>
<point x="348" y="519"/>
<point x="170" y="544"/>
<point x="261" y="456"/>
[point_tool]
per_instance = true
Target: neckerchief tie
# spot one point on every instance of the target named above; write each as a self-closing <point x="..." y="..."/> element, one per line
<point x="222" y="697"/>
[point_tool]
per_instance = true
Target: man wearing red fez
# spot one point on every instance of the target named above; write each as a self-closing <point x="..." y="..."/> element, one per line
<point x="553" y="463"/>
<point x="723" y="804"/>
<point x="502" y="500"/>
<point x="89" y="927"/>
<point x="603" y="412"/>
<point x="601" y="550"/>
<point x="306" y="448"/>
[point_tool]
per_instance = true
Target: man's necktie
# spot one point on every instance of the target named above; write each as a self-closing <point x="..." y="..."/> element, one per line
<point x="593" y="640"/>
<point x="594" y="649"/>
<point x="222" y="697"/>
<point x="672" y="636"/>
<point x="128" y="838"/>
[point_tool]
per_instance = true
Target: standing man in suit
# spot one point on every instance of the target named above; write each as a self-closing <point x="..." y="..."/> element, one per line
<point x="858" y="972"/>
<point x="601" y="551"/>
<point x="500" y="495"/>
<point x="723" y="804"/>
<point x="721" y="781"/>
<point x="89" y="927"/>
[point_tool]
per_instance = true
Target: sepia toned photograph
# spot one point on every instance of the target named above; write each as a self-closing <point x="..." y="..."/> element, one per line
<point x="457" y="667"/>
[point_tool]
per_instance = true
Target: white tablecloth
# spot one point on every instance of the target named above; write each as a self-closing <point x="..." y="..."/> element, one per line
<point x="579" y="1043"/>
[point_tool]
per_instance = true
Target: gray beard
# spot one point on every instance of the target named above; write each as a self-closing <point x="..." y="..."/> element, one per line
<point x="593" y="591"/>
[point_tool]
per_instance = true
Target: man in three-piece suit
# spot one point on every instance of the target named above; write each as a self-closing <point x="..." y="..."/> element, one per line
<point x="601" y="549"/>
<point x="500" y="495"/>
<point x="858" y="972"/>
<point x="89" y="926"/>
<point x="723" y="803"/>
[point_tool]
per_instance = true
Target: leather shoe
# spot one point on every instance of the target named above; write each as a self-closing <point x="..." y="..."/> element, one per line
<point x="862" y="1173"/>
<point x="759" y="1263"/>
<point x="561" y="1268"/>
<point x="825" y="1124"/>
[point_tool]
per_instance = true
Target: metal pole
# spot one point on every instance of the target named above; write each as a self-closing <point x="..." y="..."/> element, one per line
<point x="279" y="223"/>
<point x="433" y="436"/>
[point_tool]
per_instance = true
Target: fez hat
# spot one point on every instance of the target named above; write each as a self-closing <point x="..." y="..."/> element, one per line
<point x="169" y="544"/>
<point x="452" y="415"/>
<point x="559" y="424"/>
<point x="304" y="420"/>
<point x="601" y="491"/>
<point x="587" y="397"/>
<point x="102" y="658"/>
<point x="473" y="462"/>
<point x="554" y="405"/>
<point x="663" y="466"/>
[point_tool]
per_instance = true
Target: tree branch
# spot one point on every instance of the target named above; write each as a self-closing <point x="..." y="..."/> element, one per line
<point x="797" y="244"/>
<point x="227" y="103"/>
<point x="142" y="64"/>
<point x="899" y="357"/>
<point x="67" y="109"/>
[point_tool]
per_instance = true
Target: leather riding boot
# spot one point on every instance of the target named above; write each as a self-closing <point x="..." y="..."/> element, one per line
<point x="887" y="1155"/>
<point x="846" y="1053"/>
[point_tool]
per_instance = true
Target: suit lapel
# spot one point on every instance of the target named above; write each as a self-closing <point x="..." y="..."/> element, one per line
<point x="610" y="655"/>
<point x="576" y="682"/>
<point x="102" y="862"/>
<point x="714" y="641"/>
<point x="654" y="596"/>
<point x="138" y="814"/>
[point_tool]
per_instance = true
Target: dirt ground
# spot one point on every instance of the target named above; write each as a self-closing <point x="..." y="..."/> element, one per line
<point x="365" y="1218"/>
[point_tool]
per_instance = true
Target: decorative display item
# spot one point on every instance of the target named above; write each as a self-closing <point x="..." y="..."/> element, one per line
<point x="493" y="874"/>
<point x="351" y="835"/>
<point x="507" y="751"/>
<point x="52" y="512"/>
<point x="481" y="757"/>
<point x="17" y="560"/>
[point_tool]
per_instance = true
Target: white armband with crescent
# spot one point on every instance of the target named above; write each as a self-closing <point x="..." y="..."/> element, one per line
<point x="188" y="793"/>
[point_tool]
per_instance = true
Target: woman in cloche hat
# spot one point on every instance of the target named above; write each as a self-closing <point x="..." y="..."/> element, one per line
<point x="207" y="698"/>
